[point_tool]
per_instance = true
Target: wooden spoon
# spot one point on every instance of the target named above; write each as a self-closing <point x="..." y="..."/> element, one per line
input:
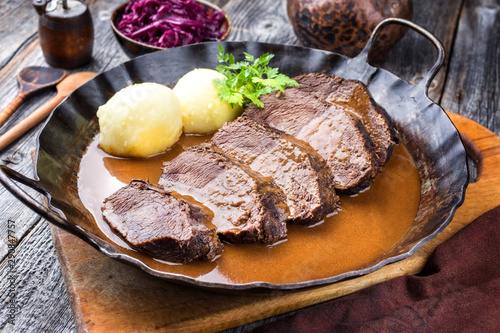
<point x="31" y="79"/>
<point x="64" y="88"/>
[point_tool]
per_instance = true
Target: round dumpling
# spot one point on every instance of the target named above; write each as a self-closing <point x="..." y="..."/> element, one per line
<point x="140" y="120"/>
<point x="202" y="110"/>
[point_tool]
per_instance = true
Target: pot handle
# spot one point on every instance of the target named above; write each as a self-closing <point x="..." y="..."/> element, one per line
<point x="9" y="177"/>
<point x="427" y="79"/>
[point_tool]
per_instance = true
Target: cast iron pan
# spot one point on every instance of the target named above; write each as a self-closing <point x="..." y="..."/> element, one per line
<point x="425" y="129"/>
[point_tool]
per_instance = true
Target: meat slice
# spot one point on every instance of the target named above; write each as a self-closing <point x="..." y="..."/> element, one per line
<point x="160" y="224"/>
<point x="293" y="165"/>
<point x="355" y="98"/>
<point x="333" y="132"/>
<point x="247" y="208"/>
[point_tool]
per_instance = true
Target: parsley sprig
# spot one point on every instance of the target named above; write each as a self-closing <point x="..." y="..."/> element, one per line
<point x="249" y="79"/>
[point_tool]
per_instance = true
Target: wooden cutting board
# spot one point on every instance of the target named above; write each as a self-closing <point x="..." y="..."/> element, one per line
<point x="108" y="296"/>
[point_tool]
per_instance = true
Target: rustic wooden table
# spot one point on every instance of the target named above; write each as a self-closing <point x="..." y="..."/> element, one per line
<point x="468" y="84"/>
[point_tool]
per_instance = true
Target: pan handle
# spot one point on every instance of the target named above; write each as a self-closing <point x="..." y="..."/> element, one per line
<point x="427" y="79"/>
<point x="9" y="177"/>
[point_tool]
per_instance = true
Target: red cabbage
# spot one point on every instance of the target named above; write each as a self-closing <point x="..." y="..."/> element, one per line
<point x="170" y="23"/>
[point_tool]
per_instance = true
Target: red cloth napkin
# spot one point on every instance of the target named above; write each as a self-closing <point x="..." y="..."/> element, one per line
<point x="457" y="291"/>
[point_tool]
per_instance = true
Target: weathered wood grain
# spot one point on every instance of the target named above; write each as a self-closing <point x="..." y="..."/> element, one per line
<point x="414" y="55"/>
<point x="20" y="28"/>
<point x="106" y="53"/>
<point x="19" y="52"/>
<point x="473" y="81"/>
<point x="263" y="21"/>
<point x="35" y="287"/>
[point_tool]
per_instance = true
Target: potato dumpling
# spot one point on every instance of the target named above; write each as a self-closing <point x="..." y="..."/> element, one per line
<point x="202" y="110"/>
<point x="140" y="120"/>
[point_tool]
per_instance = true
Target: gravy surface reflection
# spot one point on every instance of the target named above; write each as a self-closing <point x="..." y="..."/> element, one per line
<point x="368" y="225"/>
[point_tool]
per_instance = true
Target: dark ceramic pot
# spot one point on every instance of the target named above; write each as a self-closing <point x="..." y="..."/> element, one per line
<point x="344" y="26"/>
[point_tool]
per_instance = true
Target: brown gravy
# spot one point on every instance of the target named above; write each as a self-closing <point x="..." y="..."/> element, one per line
<point x="368" y="225"/>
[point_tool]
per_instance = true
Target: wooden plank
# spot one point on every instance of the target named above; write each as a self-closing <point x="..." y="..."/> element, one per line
<point x="414" y="55"/>
<point x="19" y="26"/>
<point x="29" y="285"/>
<point x="262" y="21"/>
<point x="108" y="296"/>
<point x="104" y="58"/>
<point x="473" y="81"/>
<point x="19" y="217"/>
<point x="18" y="36"/>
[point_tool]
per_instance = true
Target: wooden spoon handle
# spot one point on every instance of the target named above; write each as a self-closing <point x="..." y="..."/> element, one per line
<point x="10" y="109"/>
<point x="30" y="121"/>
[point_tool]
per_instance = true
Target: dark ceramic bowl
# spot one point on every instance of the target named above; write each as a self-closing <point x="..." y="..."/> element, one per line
<point x="134" y="48"/>
<point x="424" y="128"/>
<point x="345" y="26"/>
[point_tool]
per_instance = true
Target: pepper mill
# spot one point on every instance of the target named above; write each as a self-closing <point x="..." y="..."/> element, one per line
<point x="66" y="32"/>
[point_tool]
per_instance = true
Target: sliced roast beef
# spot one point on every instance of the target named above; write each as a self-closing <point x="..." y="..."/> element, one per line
<point x="247" y="208"/>
<point x="333" y="132"/>
<point x="160" y="224"/>
<point x="294" y="166"/>
<point x="354" y="97"/>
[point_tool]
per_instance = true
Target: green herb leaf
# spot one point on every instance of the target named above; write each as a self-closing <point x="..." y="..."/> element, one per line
<point x="249" y="79"/>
